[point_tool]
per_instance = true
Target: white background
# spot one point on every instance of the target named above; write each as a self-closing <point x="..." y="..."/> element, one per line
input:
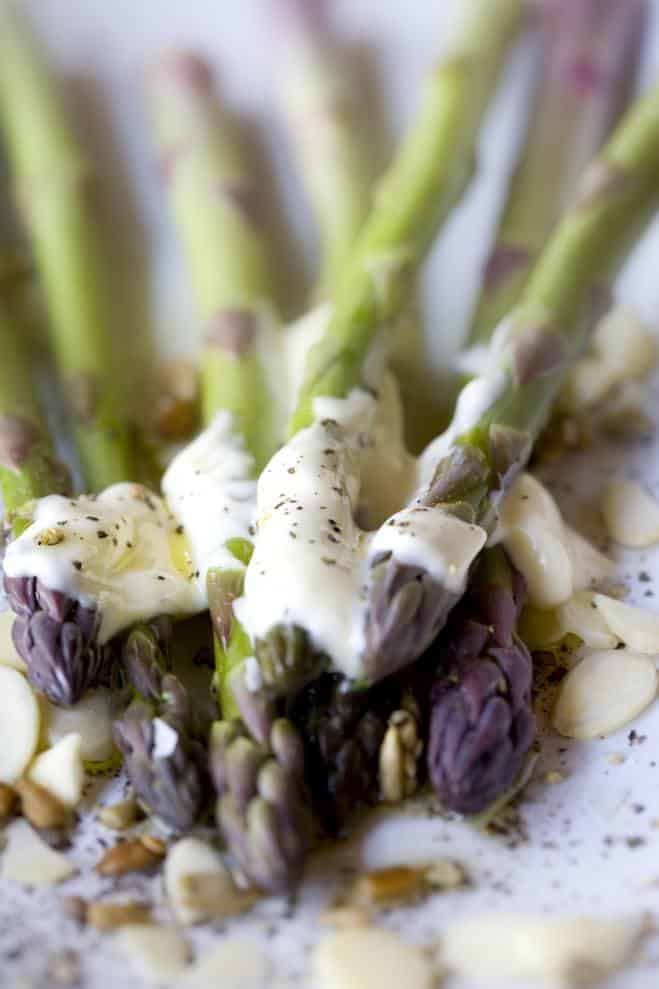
<point x="577" y="858"/>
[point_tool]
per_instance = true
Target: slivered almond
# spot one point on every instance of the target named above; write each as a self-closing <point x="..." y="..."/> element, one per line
<point x="369" y="958"/>
<point x="41" y="807"/>
<point x="8" y="801"/>
<point x="580" y="616"/>
<point x="215" y="895"/>
<point x="637" y="627"/>
<point x="121" y="815"/>
<point x="604" y="692"/>
<point x="631" y="514"/>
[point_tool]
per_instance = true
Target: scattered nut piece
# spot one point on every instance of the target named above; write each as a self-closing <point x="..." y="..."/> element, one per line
<point x="108" y="916"/>
<point x="631" y="514"/>
<point x="343" y="916"/>
<point x="215" y="895"/>
<point x="64" y="968"/>
<point x="119" y="816"/>
<point x="155" y="845"/>
<point x="396" y="882"/>
<point x="445" y="874"/>
<point x="580" y="616"/>
<point x="91" y="718"/>
<point x="75" y="908"/>
<point x="556" y="951"/>
<point x="50" y="537"/>
<point x="41" y="807"/>
<point x="615" y="758"/>
<point x="19" y="724"/>
<point x="369" y="958"/>
<point x="29" y="860"/>
<point x="131" y="856"/>
<point x="638" y="628"/>
<point x="605" y="691"/>
<point x="399" y="754"/>
<point x="590" y="568"/>
<point x="232" y="962"/>
<point x="8" y="654"/>
<point x="187" y="860"/>
<point x="60" y="770"/>
<point x="8" y="801"/>
<point x="158" y="953"/>
<point x="553" y="777"/>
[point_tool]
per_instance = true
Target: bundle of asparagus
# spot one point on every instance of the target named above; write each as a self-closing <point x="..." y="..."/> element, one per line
<point x="297" y="744"/>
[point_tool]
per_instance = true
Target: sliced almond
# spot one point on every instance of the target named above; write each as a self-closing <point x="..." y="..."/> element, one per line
<point x="555" y="951"/>
<point x="590" y="568"/>
<point x="106" y="916"/>
<point x="542" y="557"/>
<point x="631" y="514"/>
<point x="60" y="770"/>
<point x="27" y="859"/>
<point x="233" y="962"/>
<point x="91" y="718"/>
<point x="159" y="954"/>
<point x="625" y="344"/>
<point x="369" y="958"/>
<point x="130" y="856"/>
<point x="8" y="654"/>
<point x="580" y="616"/>
<point x="198" y="884"/>
<point x="638" y="628"/>
<point x="604" y="692"/>
<point x="19" y="724"/>
<point x="396" y="882"/>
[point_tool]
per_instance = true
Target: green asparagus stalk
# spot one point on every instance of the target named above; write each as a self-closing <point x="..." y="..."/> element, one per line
<point x="214" y="201"/>
<point x="28" y="466"/>
<point x="329" y="134"/>
<point x="531" y="353"/>
<point x="54" y="183"/>
<point x="427" y="177"/>
<point x="590" y="54"/>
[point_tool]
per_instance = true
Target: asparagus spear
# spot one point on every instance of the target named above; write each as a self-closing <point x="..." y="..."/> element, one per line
<point x="329" y="134"/>
<point x="55" y="187"/>
<point x="162" y="745"/>
<point x="530" y="356"/>
<point x="424" y="182"/>
<point x="481" y="721"/>
<point x="590" y="53"/>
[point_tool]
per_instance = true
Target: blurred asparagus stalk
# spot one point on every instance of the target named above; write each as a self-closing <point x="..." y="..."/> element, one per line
<point x="55" y="188"/>
<point x="590" y="53"/>
<point x="329" y="132"/>
<point x="215" y="204"/>
<point x="496" y="426"/>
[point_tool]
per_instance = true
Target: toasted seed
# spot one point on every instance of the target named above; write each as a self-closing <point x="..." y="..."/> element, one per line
<point x="8" y="800"/>
<point x="41" y="807"/>
<point x="397" y="882"/>
<point x="108" y="916"/>
<point x="119" y="816"/>
<point x="153" y="844"/>
<point x="638" y="628"/>
<point x="215" y="895"/>
<point x="130" y="856"/>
